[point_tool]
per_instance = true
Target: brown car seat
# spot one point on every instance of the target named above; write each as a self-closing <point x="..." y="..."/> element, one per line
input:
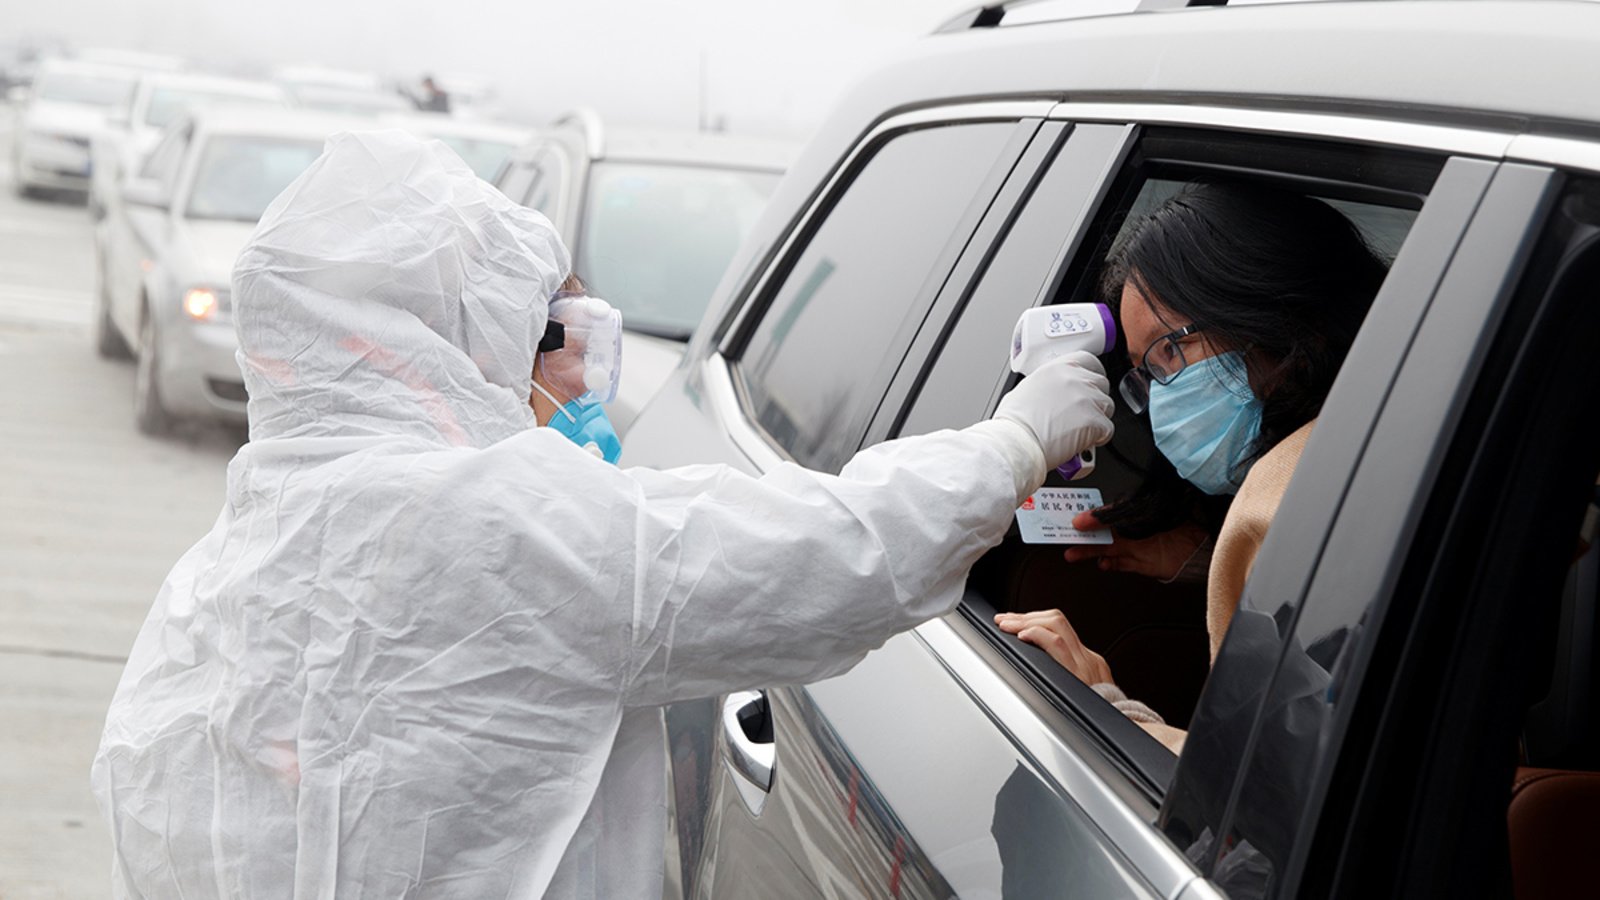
<point x="1554" y="834"/>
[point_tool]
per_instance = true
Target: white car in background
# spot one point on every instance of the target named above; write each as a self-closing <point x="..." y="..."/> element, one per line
<point x="166" y="256"/>
<point x="485" y="146"/>
<point x="134" y="128"/>
<point x="67" y="106"/>
<point x="652" y="219"/>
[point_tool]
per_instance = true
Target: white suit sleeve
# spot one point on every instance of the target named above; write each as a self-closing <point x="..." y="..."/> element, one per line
<point x="792" y="577"/>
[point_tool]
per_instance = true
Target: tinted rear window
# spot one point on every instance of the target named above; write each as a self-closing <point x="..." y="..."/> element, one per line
<point x="811" y="364"/>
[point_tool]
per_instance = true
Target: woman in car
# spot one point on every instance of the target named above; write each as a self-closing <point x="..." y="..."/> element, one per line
<point x="1239" y="305"/>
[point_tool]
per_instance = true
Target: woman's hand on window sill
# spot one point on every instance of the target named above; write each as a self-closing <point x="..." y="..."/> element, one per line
<point x="1050" y="631"/>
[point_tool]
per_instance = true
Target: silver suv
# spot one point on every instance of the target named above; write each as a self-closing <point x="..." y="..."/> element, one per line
<point x="1414" y="653"/>
<point x="651" y="218"/>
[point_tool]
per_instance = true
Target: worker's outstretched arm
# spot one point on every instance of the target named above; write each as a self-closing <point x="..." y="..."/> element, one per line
<point x="743" y="582"/>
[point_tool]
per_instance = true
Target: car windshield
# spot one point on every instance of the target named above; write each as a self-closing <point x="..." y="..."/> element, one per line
<point x="484" y="157"/>
<point x="167" y="104"/>
<point x="239" y="176"/>
<point x="85" y="90"/>
<point x="656" y="238"/>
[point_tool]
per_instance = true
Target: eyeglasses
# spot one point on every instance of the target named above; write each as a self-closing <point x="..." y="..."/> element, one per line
<point x="1162" y="362"/>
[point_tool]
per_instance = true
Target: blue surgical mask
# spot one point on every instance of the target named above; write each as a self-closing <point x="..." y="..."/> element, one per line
<point x="1206" y="422"/>
<point x="586" y="425"/>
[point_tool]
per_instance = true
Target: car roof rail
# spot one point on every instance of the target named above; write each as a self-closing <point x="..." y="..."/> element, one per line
<point x="594" y="133"/>
<point x="1178" y="4"/>
<point x="989" y="15"/>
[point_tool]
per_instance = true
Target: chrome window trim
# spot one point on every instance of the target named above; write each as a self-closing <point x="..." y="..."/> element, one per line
<point x="717" y="377"/>
<point x="1358" y="129"/>
<point x="1201" y="889"/>
<point x="1566" y="153"/>
<point x="998" y="111"/>
<point x="1146" y="849"/>
<point x="562" y="207"/>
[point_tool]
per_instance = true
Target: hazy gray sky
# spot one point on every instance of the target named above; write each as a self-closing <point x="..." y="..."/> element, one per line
<point x="775" y="67"/>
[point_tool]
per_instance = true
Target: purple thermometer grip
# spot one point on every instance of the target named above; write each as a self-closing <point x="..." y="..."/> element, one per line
<point x="1071" y="467"/>
<point x="1111" y="327"/>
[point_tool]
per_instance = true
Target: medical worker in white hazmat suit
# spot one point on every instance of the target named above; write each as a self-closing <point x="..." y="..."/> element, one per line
<point x="423" y="651"/>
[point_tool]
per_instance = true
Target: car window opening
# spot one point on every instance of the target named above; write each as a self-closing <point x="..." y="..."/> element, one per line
<point x="1152" y="632"/>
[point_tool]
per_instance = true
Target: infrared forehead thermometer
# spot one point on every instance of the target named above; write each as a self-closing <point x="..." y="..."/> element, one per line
<point x="1046" y="332"/>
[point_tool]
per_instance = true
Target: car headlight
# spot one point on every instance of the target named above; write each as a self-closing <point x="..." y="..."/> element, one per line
<point x="206" y="304"/>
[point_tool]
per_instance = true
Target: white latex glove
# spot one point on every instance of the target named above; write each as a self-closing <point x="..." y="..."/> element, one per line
<point x="1066" y="405"/>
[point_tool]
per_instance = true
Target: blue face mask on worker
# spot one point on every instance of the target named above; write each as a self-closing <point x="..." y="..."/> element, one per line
<point x="585" y="335"/>
<point x="1206" y="422"/>
<point x="589" y="428"/>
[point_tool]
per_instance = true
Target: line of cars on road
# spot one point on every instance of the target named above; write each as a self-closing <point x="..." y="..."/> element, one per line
<point x="83" y="120"/>
<point x="171" y="228"/>
<point x="57" y="119"/>
<point x="178" y="167"/>
<point x="131" y="129"/>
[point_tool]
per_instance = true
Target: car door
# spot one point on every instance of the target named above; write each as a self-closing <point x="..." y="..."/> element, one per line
<point x="1414" y="206"/>
<point x="134" y="230"/>
<point x="938" y="735"/>
<point x="825" y="790"/>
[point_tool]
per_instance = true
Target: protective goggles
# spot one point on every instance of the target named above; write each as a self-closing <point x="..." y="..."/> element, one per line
<point x="589" y="326"/>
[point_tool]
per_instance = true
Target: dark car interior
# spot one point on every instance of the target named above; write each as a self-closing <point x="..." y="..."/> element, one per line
<point x="1550" y="826"/>
<point x="1551" y="831"/>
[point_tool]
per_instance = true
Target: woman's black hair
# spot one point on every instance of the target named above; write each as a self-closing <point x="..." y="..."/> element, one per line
<point x="1282" y="277"/>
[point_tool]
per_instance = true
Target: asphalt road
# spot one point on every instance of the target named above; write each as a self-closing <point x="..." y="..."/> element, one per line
<point x="95" y="514"/>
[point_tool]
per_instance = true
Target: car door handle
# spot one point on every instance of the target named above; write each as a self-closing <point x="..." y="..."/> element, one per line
<point x="747" y="732"/>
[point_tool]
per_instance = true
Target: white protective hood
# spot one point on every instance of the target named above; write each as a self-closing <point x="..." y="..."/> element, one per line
<point x="398" y="664"/>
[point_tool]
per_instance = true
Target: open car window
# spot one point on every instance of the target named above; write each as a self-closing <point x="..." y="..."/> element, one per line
<point x="1151" y="631"/>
